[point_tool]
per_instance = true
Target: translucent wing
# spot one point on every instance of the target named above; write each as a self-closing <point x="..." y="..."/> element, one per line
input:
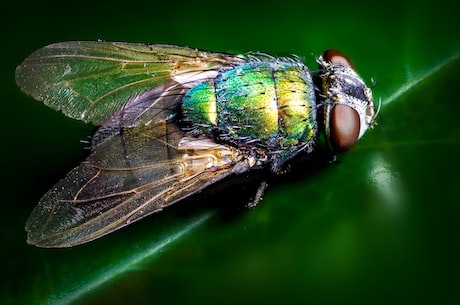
<point x="91" y="81"/>
<point x="135" y="173"/>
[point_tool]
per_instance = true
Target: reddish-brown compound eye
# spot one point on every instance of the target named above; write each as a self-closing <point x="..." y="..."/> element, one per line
<point x="344" y="127"/>
<point x="338" y="58"/>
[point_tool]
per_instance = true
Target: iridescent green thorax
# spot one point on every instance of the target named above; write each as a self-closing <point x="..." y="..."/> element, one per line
<point x="175" y="120"/>
<point x="268" y="104"/>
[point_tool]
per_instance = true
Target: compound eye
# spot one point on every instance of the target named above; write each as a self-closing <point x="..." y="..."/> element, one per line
<point x="344" y="127"/>
<point x="337" y="58"/>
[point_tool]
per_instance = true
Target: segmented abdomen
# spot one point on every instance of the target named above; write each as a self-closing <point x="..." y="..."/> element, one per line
<point x="261" y="103"/>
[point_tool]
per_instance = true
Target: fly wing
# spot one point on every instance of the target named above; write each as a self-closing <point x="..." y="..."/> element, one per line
<point x="92" y="81"/>
<point x="133" y="174"/>
<point x="141" y="160"/>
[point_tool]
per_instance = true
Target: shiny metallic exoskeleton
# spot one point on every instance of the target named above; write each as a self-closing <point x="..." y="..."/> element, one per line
<point x="175" y="120"/>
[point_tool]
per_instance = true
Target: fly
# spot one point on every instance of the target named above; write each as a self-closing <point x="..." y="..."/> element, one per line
<point x="174" y="120"/>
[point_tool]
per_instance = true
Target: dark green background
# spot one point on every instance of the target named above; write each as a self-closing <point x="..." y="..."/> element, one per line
<point x="378" y="227"/>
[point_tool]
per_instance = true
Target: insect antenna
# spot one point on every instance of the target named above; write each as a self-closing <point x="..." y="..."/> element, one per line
<point x="377" y="117"/>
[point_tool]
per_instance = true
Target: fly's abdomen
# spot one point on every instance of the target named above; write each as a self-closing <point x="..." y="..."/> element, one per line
<point x="260" y="103"/>
<point x="199" y="105"/>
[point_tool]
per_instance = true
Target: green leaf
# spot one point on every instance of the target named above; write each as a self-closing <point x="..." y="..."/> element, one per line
<point x="378" y="226"/>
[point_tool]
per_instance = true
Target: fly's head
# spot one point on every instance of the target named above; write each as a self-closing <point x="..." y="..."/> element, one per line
<point x="348" y="106"/>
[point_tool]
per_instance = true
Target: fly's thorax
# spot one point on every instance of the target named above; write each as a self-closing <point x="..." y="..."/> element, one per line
<point x="296" y="104"/>
<point x="348" y="106"/>
<point x="261" y="103"/>
<point x="246" y="102"/>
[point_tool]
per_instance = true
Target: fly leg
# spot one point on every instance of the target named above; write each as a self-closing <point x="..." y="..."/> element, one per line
<point x="258" y="195"/>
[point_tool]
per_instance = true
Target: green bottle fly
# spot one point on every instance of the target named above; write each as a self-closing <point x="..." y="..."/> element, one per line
<point x="174" y="120"/>
<point x="269" y="105"/>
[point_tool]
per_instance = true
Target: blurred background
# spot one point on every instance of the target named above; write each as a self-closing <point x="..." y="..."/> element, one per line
<point x="379" y="226"/>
